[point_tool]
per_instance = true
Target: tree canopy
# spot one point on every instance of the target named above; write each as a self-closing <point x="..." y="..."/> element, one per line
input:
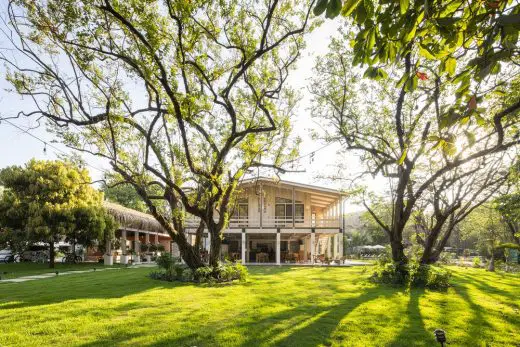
<point x="53" y="200"/>
<point x="419" y="136"/>
<point x="181" y="97"/>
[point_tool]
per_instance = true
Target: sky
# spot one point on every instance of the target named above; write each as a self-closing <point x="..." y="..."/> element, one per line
<point x="18" y="146"/>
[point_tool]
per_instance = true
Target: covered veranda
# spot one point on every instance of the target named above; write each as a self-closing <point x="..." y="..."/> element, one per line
<point x="135" y="228"/>
<point x="282" y="247"/>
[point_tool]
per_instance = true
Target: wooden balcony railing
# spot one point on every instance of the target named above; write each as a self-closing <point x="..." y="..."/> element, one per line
<point x="277" y="222"/>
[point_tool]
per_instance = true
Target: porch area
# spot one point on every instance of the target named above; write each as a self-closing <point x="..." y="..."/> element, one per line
<point x="281" y="247"/>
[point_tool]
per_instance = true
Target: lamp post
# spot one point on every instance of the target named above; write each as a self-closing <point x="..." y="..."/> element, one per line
<point x="440" y="336"/>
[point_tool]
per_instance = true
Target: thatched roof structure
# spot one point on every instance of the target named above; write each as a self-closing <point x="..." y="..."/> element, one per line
<point x="132" y="219"/>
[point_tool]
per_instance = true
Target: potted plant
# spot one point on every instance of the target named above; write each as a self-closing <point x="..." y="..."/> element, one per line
<point x="125" y="256"/>
<point x="160" y="248"/>
<point x="152" y="248"/>
<point x="145" y="250"/>
<point x="130" y="254"/>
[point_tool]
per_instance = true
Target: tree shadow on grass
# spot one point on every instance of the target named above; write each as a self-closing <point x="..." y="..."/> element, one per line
<point x="487" y="287"/>
<point x="477" y="326"/>
<point x="480" y="330"/>
<point x="309" y="323"/>
<point x="414" y="332"/>
<point x="101" y="285"/>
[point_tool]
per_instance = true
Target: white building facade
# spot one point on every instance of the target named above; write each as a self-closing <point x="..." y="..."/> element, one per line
<point x="282" y="222"/>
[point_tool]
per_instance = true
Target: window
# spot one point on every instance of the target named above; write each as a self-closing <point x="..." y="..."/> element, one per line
<point x="284" y="211"/>
<point x="241" y="211"/>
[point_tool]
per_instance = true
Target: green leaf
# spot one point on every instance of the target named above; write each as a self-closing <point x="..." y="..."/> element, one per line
<point x="439" y="144"/>
<point x="403" y="5"/>
<point x="349" y="7"/>
<point x="447" y="21"/>
<point x="403" y="157"/>
<point x="471" y="138"/>
<point x="333" y="9"/>
<point x="371" y="40"/>
<point x="320" y="7"/>
<point x="402" y="81"/>
<point x="451" y="65"/>
<point x="369" y="7"/>
<point x="426" y="53"/>
<point x="480" y="120"/>
<point x="449" y="148"/>
<point x="411" y="84"/>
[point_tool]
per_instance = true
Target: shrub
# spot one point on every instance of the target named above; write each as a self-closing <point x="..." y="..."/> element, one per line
<point x="186" y="275"/>
<point x="241" y="272"/>
<point x="203" y="274"/>
<point x="174" y="270"/>
<point x="429" y="276"/>
<point x="390" y="273"/>
<point x="166" y="261"/>
<point x="446" y="257"/>
<point x="224" y="272"/>
<point x="476" y="262"/>
<point x="157" y="275"/>
<point x="412" y="275"/>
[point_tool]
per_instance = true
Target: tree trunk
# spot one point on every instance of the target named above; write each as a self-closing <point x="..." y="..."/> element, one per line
<point x="51" y="254"/>
<point x="492" y="262"/>
<point x="190" y="254"/>
<point x="214" y="251"/>
<point x="396" y="243"/>
<point x="398" y="255"/>
<point x="428" y="256"/>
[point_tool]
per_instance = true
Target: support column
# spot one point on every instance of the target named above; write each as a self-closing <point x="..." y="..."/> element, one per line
<point x="261" y="205"/>
<point x="313" y="239"/>
<point x="147" y="242"/>
<point x="208" y="246"/>
<point x="137" y="247"/>
<point x="329" y="247"/>
<point x="336" y="248"/>
<point x="108" y="259"/>
<point x="278" y="248"/>
<point x="156" y="241"/>
<point x="124" y="255"/>
<point x="341" y="226"/>
<point x="243" y="247"/>
<point x="341" y="241"/>
<point x="305" y="249"/>
<point x="293" y="207"/>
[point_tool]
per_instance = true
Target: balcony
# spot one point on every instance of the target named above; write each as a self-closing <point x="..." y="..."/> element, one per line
<point x="299" y="223"/>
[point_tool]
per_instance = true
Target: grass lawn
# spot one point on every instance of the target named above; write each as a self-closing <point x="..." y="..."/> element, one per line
<point x="15" y="270"/>
<point x="279" y="306"/>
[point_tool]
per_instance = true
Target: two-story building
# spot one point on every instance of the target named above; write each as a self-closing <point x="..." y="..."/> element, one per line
<point x="283" y="222"/>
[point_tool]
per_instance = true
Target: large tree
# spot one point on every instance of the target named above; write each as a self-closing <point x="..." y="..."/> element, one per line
<point x="48" y="201"/>
<point x="451" y="199"/>
<point x="459" y="44"/>
<point x="401" y="126"/>
<point x="508" y="204"/>
<point x="182" y="97"/>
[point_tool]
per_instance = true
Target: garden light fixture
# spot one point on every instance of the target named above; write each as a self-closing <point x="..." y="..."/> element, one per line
<point x="440" y="336"/>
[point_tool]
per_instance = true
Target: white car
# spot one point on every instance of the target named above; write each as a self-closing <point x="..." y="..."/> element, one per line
<point x="5" y="254"/>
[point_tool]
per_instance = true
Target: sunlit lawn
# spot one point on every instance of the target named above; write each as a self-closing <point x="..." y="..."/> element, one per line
<point x="277" y="306"/>
<point x="15" y="270"/>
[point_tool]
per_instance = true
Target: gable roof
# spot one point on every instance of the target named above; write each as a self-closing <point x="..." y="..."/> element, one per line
<point x="272" y="181"/>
